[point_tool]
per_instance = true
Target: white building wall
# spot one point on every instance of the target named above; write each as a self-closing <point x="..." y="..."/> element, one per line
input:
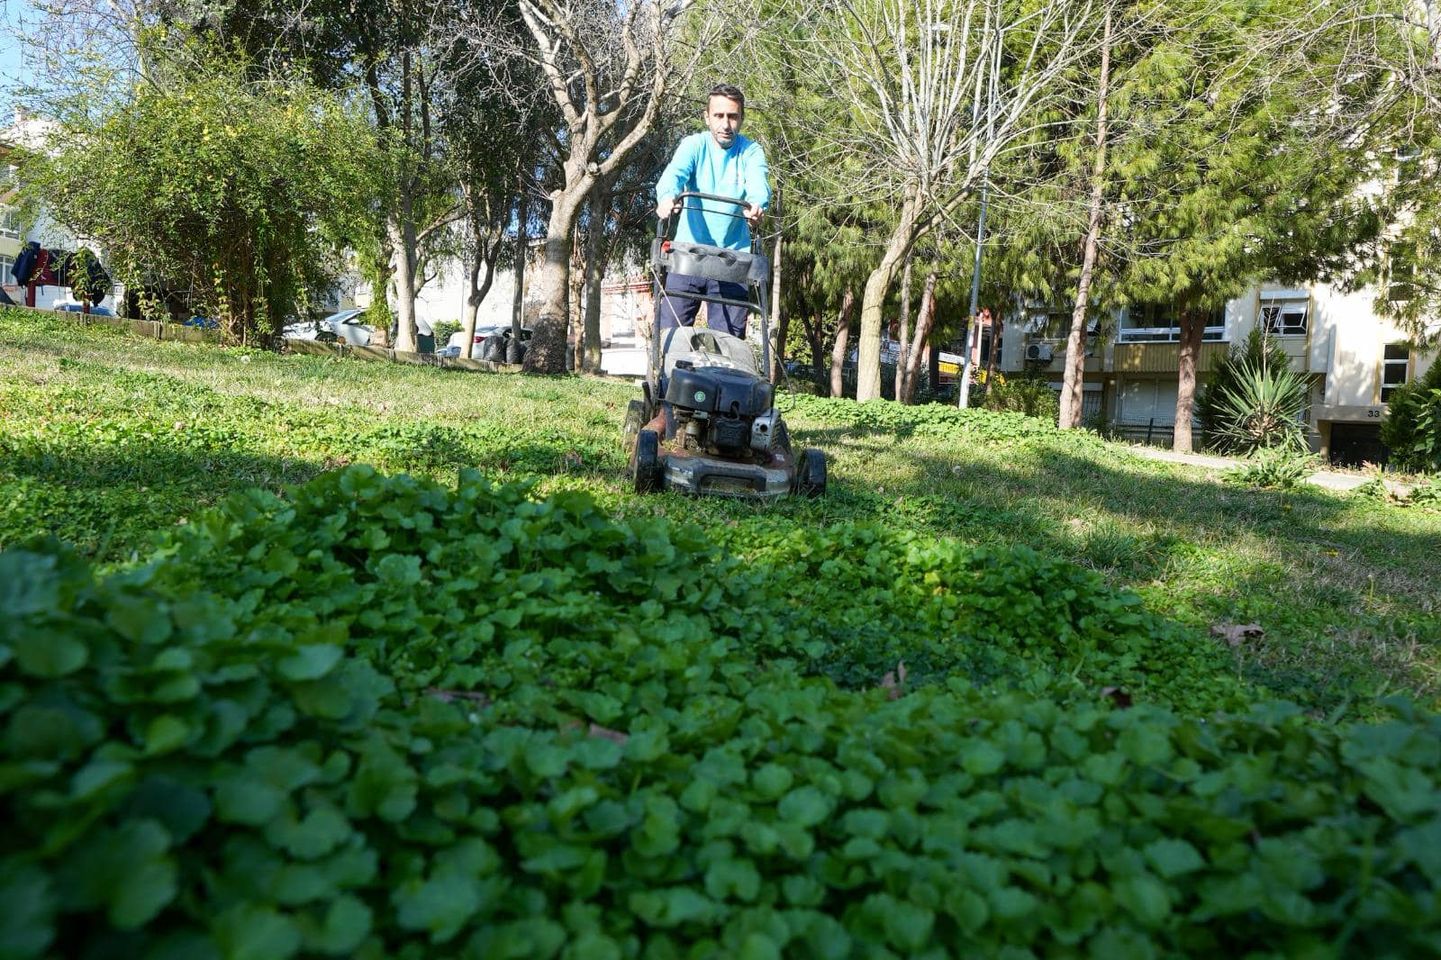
<point x="1353" y="345"/>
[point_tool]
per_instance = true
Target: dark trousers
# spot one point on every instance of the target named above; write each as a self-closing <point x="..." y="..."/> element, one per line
<point x="681" y="311"/>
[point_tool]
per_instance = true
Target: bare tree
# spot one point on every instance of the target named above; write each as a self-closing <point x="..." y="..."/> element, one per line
<point x="1073" y="380"/>
<point x="607" y="67"/>
<point x="925" y="323"/>
<point x="937" y="91"/>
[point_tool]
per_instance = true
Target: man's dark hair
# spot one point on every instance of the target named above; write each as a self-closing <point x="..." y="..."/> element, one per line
<point x="728" y="90"/>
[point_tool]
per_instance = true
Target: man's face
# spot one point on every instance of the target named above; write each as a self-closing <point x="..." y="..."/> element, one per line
<point x="723" y="117"/>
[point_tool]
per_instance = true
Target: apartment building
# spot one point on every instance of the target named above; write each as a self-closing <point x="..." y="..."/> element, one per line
<point x="10" y="231"/>
<point x="1354" y="358"/>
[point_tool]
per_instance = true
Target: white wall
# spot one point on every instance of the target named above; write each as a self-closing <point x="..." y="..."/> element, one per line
<point x="1354" y="341"/>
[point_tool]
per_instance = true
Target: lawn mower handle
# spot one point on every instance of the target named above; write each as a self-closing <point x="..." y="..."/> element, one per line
<point x="663" y="223"/>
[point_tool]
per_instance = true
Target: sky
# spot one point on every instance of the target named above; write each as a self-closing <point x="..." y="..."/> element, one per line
<point x="11" y="12"/>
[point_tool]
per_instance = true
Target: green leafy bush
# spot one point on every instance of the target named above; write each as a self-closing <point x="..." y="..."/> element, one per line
<point x="1427" y="494"/>
<point x="216" y="177"/>
<point x="392" y="720"/>
<point x="1412" y="427"/>
<point x="940" y="421"/>
<point x="1274" y="468"/>
<point x="1031" y="396"/>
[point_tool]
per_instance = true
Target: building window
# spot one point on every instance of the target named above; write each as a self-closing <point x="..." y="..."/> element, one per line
<point x="9" y="223"/>
<point x="1284" y="317"/>
<point x="1394" y="364"/>
<point x="6" y="265"/>
<point x="1147" y="402"/>
<point x="1160" y="323"/>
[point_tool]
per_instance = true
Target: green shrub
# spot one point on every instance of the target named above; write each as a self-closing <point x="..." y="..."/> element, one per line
<point x="1255" y="400"/>
<point x="1412" y="427"/>
<point x="1264" y="409"/>
<point x="391" y="720"/>
<point x="444" y="329"/>
<point x="1031" y="396"/>
<point x="1256" y="352"/>
<point x="1274" y="468"/>
<point x="1427" y="494"/>
<point x="939" y="421"/>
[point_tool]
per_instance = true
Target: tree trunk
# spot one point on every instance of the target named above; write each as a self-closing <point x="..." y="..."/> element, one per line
<point x="903" y="335"/>
<point x="1193" y="328"/>
<point x="838" y="349"/>
<point x="522" y="253"/>
<point x="547" y="350"/>
<point x="814" y="326"/>
<point x="925" y="321"/>
<point x="575" y="326"/>
<point x="995" y="359"/>
<point x="594" y="275"/>
<point x="401" y="230"/>
<point x="482" y="276"/>
<point x="878" y="284"/>
<point x="1073" y="382"/>
<point x="933" y="360"/>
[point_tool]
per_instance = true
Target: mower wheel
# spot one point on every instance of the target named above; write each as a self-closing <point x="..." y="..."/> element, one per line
<point x="647" y="462"/>
<point x="634" y="420"/>
<point x="811" y="473"/>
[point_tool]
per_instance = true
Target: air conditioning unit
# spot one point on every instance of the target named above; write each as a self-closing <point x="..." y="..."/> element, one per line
<point x="1039" y="352"/>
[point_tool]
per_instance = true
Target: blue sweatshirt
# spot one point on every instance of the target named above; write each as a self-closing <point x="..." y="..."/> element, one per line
<point x="701" y="165"/>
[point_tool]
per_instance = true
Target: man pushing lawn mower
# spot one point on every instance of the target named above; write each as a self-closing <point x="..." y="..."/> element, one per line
<point x="707" y="423"/>
<point x="723" y="164"/>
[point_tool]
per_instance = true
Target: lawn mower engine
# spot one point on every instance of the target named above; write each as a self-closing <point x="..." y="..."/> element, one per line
<point x="722" y="411"/>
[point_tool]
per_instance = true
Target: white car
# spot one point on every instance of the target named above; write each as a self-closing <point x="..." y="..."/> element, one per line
<point x="348" y="326"/>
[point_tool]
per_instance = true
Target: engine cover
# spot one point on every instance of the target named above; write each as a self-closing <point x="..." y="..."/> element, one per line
<point x="718" y="390"/>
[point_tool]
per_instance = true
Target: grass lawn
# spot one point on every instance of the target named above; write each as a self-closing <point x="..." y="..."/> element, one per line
<point x="105" y="438"/>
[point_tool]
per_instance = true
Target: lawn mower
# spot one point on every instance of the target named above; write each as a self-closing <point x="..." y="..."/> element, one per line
<point x="707" y="423"/>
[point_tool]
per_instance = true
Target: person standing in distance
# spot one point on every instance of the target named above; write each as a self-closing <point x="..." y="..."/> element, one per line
<point x="722" y="162"/>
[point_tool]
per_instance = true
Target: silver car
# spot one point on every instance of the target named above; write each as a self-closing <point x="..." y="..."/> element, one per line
<point x="347" y="326"/>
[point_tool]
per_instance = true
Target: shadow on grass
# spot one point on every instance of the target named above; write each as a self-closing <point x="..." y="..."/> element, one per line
<point x="1347" y="599"/>
<point x="109" y="499"/>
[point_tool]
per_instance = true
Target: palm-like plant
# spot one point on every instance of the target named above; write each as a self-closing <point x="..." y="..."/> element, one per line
<point x="1262" y="408"/>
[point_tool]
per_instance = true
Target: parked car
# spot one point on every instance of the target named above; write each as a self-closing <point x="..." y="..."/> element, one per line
<point x="96" y="310"/>
<point x="455" y="346"/>
<point x="347" y="326"/>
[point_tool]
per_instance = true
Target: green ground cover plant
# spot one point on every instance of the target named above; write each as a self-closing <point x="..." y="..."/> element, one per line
<point x="381" y="717"/>
<point x="106" y="438"/>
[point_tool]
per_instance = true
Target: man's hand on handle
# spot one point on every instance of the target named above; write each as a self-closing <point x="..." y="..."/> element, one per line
<point x="667" y="208"/>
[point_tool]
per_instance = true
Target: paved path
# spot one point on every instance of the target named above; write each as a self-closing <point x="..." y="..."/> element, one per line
<point x="1327" y="479"/>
